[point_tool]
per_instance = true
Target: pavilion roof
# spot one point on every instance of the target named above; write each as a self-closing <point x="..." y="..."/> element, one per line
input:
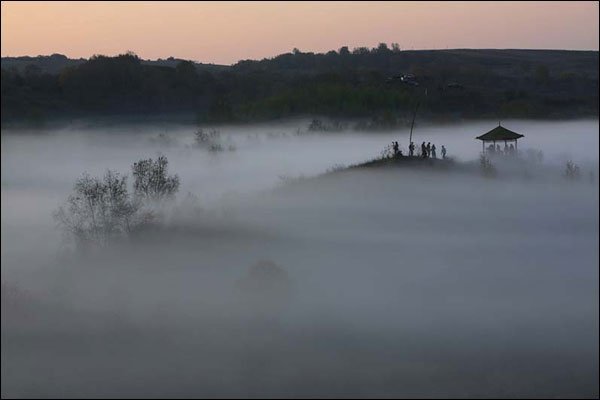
<point x="499" y="133"/>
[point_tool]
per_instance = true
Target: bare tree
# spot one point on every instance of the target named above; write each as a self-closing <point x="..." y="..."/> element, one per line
<point x="151" y="181"/>
<point x="98" y="210"/>
<point x="102" y="209"/>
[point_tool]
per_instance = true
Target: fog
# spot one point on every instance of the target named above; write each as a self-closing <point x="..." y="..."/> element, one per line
<point x="399" y="282"/>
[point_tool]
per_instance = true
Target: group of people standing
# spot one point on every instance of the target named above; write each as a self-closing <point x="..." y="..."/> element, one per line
<point x="427" y="150"/>
<point x="508" y="150"/>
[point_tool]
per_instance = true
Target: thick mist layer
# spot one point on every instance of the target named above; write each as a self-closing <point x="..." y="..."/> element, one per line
<point x="398" y="282"/>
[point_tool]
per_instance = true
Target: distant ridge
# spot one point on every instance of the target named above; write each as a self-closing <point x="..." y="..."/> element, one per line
<point x="380" y="86"/>
<point x="55" y="63"/>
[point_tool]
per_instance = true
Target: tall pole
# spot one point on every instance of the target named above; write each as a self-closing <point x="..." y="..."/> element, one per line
<point x="412" y="124"/>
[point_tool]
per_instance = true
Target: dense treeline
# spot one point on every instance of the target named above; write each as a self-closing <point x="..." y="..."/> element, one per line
<point x="364" y="83"/>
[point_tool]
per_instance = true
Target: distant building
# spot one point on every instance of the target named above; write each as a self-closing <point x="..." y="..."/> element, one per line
<point x="499" y="134"/>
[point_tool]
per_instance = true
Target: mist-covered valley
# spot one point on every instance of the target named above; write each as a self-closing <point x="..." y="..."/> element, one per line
<point x="276" y="272"/>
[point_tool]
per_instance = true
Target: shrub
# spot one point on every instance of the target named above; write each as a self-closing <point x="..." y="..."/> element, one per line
<point x="387" y="152"/>
<point x="336" y="168"/>
<point x="487" y="168"/>
<point x="151" y="181"/>
<point x="317" y="125"/>
<point x="572" y="171"/>
<point x="209" y="140"/>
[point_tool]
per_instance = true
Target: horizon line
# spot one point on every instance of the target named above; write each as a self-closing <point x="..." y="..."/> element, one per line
<point x="291" y="52"/>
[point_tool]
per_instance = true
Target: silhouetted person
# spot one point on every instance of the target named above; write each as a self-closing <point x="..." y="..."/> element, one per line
<point x="411" y="149"/>
<point x="395" y="145"/>
<point x="443" y="152"/>
<point x="424" y="150"/>
<point x="428" y="149"/>
<point x="433" y="151"/>
<point x="498" y="149"/>
<point x="511" y="149"/>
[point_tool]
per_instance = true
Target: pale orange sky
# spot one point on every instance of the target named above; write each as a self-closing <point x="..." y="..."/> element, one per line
<point x="225" y="32"/>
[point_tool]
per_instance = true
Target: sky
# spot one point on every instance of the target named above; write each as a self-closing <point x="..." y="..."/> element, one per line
<point x="226" y="32"/>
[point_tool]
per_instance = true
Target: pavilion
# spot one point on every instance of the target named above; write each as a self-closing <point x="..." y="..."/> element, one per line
<point x="499" y="134"/>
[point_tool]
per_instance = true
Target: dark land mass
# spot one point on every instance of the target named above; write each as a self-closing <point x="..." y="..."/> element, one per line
<point x="380" y="85"/>
<point x="412" y="162"/>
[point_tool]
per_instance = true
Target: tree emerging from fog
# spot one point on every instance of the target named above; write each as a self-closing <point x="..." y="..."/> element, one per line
<point x="99" y="209"/>
<point x="151" y="181"/>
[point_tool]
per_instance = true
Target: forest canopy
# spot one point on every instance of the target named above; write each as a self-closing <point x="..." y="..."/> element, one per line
<point x="382" y="82"/>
